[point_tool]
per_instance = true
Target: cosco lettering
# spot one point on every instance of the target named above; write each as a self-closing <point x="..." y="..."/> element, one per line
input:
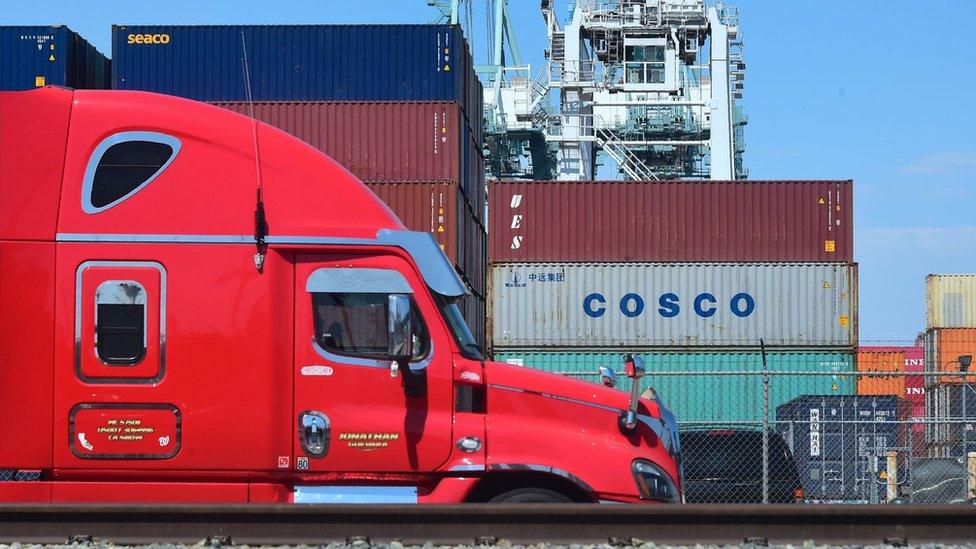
<point x="704" y="305"/>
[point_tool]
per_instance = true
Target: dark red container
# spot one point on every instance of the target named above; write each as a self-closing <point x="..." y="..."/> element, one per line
<point x="619" y="221"/>
<point x="440" y="209"/>
<point x="386" y="141"/>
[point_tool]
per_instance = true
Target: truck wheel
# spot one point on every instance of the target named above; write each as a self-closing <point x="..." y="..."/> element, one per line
<point x="530" y="495"/>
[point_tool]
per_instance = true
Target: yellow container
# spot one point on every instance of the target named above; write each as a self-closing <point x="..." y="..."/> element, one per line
<point x="950" y="301"/>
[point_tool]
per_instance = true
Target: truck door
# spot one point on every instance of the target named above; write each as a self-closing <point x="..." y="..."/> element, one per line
<point x="353" y="412"/>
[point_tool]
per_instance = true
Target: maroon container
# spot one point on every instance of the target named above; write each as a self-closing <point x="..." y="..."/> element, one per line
<point x="385" y="141"/>
<point x="440" y="209"/>
<point x="617" y="221"/>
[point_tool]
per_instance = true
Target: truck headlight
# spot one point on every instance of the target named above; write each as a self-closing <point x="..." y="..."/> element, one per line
<point x="654" y="483"/>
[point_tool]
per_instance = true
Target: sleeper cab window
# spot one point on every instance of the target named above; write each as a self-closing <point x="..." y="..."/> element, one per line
<point x="122" y="164"/>
<point x="120" y="322"/>
<point x="120" y="330"/>
<point x="350" y="309"/>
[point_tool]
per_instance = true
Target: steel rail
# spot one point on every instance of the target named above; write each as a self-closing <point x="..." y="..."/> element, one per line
<point x="443" y="524"/>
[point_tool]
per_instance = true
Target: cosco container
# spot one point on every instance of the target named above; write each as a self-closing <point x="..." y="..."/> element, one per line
<point x="950" y="301"/>
<point x="841" y="444"/>
<point x="299" y="63"/>
<point x="619" y="221"/>
<point x="673" y="305"/>
<point x="710" y="388"/>
<point x="34" y="56"/>
<point x="384" y="141"/>
<point x="943" y="349"/>
<point x="440" y="209"/>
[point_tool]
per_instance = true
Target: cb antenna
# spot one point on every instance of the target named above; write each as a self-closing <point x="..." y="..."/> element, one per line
<point x="260" y="220"/>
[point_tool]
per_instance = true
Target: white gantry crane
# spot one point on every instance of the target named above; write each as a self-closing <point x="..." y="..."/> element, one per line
<point x="635" y="89"/>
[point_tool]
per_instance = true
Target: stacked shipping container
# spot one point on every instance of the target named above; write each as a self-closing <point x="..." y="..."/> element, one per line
<point x="950" y="342"/>
<point x="693" y="274"/>
<point x="34" y="56"/>
<point x="896" y="363"/>
<point x="398" y="105"/>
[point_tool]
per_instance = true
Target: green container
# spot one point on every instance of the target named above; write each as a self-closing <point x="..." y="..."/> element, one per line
<point x="712" y="388"/>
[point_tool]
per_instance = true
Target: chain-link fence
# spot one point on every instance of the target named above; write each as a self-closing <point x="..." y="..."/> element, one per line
<point x="808" y="426"/>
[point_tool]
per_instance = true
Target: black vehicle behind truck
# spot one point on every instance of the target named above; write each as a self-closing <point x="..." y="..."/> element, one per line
<point x="726" y="466"/>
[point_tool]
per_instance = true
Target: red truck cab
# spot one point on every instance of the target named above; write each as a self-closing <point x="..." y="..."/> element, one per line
<point x="198" y="307"/>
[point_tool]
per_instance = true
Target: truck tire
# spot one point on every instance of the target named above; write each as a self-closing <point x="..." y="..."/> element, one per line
<point x="530" y="495"/>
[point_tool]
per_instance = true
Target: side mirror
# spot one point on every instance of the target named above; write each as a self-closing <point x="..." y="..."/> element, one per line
<point x="964" y="362"/>
<point x="607" y="376"/>
<point x="399" y="335"/>
<point x="634" y="366"/>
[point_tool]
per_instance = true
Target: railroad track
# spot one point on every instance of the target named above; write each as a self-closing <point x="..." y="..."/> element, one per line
<point x="293" y="524"/>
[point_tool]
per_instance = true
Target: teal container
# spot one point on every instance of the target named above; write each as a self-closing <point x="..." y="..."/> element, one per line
<point x="712" y="389"/>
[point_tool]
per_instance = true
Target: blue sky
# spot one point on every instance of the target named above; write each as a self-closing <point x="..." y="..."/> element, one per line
<point x="876" y="91"/>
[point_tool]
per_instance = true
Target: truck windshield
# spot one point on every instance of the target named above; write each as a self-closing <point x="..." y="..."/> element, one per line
<point x="460" y="330"/>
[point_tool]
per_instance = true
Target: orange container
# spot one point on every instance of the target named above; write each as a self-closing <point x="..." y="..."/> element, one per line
<point x="881" y="359"/>
<point x="944" y="346"/>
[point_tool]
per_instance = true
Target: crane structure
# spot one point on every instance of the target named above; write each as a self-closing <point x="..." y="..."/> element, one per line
<point x="633" y="89"/>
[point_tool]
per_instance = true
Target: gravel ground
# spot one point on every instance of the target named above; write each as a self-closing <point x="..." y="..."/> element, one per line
<point x="500" y="545"/>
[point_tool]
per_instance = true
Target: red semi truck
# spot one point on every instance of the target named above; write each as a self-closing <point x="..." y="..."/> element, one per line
<point x="198" y="307"/>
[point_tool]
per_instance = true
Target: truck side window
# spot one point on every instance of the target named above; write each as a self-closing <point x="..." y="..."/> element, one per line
<point x="122" y="164"/>
<point x="354" y="324"/>
<point x="120" y="322"/>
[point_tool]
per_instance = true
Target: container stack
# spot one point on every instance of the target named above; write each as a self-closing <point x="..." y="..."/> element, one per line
<point x="692" y="275"/>
<point x="950" y="337"/>
<point x="898" y="364"/>
<point x="35" y="56"/>
<point x="399" y="106"/>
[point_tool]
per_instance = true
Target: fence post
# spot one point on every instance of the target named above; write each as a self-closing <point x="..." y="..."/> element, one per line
<point x="971" y="475"/>
<point x="892" y="469"/>
<point x="765" y="411"/>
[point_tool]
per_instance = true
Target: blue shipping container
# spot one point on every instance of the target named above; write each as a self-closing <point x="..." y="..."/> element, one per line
<point x="35" y="56"/>
<point x="299" y="63"/>
<point x="950" y="431"/>
<point x="840" y="444"/>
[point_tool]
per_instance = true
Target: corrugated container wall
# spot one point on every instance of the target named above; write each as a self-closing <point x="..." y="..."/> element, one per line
<point x="698" y="387"/>
<point x="956" y="406"/>
<point x="673" y="305"/>
<point x="34" y="56"/>
<point x="943" y="347"/>
<point x="835" y="440"/>
<point x="300" y="63"/>
<point x="384" y="141"/>
<point x="887" y="360"/>
<point x="950" y="301"/>
<point x="473" y="309"/>
<point x="440" y="209"/>
<point x="620" y="221"/>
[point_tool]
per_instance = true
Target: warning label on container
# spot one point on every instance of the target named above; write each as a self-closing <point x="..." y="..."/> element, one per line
<point x="830" y="245"/>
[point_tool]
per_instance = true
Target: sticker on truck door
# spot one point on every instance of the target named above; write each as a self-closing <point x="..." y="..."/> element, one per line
<point x="124" y="431"/>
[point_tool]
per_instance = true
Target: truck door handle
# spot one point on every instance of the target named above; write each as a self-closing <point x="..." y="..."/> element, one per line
<point x="314" y="430"/>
